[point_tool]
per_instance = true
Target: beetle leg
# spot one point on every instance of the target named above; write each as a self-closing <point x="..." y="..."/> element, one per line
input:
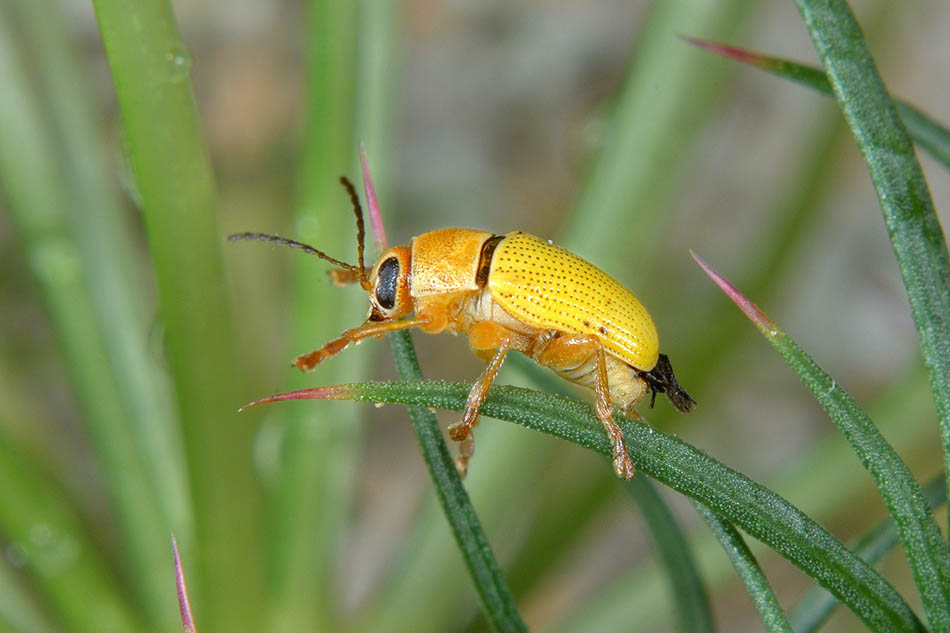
<point x="623" y="465"/>
<point x="574" y="354"/>
<point x="460" y="430"/>
<point x="466" y="450"/>
<point x="490" y="341"/>
<point x="306" y="362"/>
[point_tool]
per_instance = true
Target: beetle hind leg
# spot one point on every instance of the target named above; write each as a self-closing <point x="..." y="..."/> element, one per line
<point x="581" y="359"/>
<point x="623" y="465"/>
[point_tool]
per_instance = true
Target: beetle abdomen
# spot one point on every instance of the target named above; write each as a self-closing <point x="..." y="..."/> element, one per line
<point x="548" y="287"/>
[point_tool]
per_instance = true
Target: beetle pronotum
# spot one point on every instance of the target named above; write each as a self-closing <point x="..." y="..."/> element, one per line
<point x="509" y="292"/>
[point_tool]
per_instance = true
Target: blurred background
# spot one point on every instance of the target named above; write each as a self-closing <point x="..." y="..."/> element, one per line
<point x="592" y="124"/>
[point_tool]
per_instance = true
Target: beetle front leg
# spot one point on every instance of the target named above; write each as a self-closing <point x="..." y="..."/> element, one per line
<point x="483" y="336"/>
<point x="306" y="362"/>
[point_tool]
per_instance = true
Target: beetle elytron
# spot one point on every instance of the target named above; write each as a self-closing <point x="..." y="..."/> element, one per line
<point x="510" y="292"/>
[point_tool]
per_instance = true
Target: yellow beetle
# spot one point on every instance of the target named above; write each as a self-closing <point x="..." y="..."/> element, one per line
<point x="510" y="292"/>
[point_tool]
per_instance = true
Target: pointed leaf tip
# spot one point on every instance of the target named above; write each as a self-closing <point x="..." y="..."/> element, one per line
<point x="375" y="217"/>
<point x="332" y="392"/>
<point x="732" y="52"/>
<point x="760" y="318"/>
<point x="187" y="621"/>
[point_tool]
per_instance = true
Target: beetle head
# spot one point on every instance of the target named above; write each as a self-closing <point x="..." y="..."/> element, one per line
<point x="389" y="296"/>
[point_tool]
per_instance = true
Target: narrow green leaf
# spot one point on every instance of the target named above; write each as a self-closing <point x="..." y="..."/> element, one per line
<point x="927" y="551"/>
<point x="747" y="504"/>
<point x="755" y="581"/>
<point x="43" y="535"/>
<point x="688" y="593"/>
<point x="312" y="494"/>
<point x="151" y="72"/>
<point x="664" y="100"/>
<point x="497" y="602"/>
<point x="909" y="214"/>
<point x="40" y="207"/>
<point x="113" y="275"/>
<point x="20" y="610"/>
<point x="905" y="413"/>
<point x="926" y="132"/>
<point x="816" y="606"/>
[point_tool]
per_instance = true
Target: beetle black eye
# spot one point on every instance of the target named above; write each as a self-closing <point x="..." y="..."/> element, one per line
<point x="386" y="280"/>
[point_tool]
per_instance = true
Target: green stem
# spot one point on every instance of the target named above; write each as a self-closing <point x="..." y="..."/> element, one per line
<point x="816" y="606"/>
<point x="755" y="581"/>
<point x="904" y="197"/>
<point x="686" y="585"/>
<point x="497" y="602"/>
<point x="757" y="510"/>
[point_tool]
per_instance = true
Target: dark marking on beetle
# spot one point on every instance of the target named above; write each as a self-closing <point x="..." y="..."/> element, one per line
<point x="484" y="260"/>
<point x="602" y="330"/>
<point x="586" y="323"/>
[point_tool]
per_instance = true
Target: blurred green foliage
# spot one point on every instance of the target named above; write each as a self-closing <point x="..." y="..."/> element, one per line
<point x="132" y="140"/>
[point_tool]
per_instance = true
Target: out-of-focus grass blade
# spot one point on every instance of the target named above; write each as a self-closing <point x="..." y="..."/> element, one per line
<point x="20" y="610"/>
<point x="151" y="72"/>
<point x="816" y="606"/>
<point x="111" y="265"/>
<point x="755" y="581"/>
<point x="926" y="132"/>
<point x="688" y="594"/>
<point x="750" y="506"/>
<point x="927" y="550"/>
<point x="44" y="536"/>
<point x="39" y="205"/>
<point x="902" y="191"/>
<point x="665" y="98"/>
<point x="317" y="465"/>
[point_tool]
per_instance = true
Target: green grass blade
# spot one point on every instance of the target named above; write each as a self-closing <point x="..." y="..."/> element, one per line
<point x="755" y="581"/>
<point x="42" y="534"/>
<point x="665" y="97"/>
<point x="20" y="611"/>
<point x="114" y="274"/>
<point x="39" y="206"/>
<point x="816" y="606"/>
<point x="750" y="506"/>
<point x="903" y="194"/>
<point x="497" y="603"/>
<point x="376" y="92"/>
<point x="311" y="496"/>
<point x="927" y="550"/>
<point x="926" y="132"/>
<point x="688" y="593"/>
<point x="151" y="72"/>
<point x="906" y="415"/>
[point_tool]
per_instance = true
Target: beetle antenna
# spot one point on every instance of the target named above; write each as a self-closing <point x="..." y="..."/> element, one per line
<point x="277" y="239"/>
<point x="360" y="230"/>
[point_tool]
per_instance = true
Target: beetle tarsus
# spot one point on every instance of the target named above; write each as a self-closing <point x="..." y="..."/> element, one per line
<point x="466" y="450"/>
